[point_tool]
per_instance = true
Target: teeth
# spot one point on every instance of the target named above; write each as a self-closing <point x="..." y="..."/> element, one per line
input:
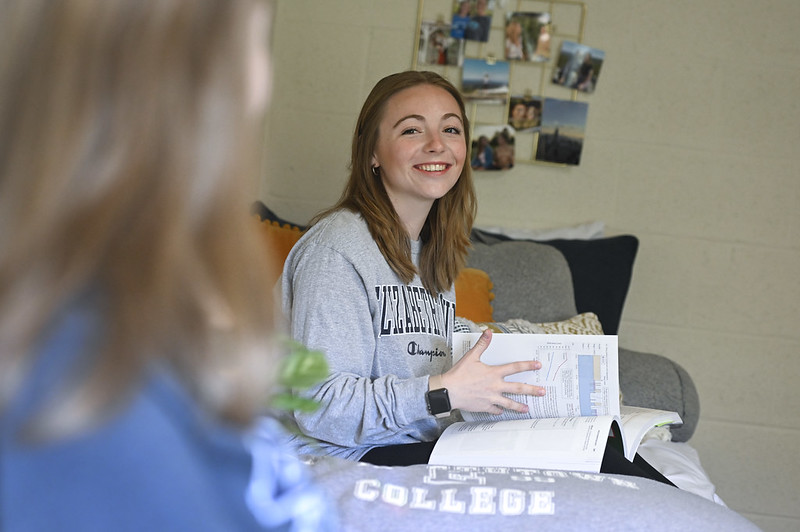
<point x="433" y="167"/>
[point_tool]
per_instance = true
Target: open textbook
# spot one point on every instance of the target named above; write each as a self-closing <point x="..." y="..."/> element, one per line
<point x="570" y="427"/>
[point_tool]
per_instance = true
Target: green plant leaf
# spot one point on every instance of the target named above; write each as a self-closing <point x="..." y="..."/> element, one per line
<point x="288" y="402"/>
<point x="303" y="367"/>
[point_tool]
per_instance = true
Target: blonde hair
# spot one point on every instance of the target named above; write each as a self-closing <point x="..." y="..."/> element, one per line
<point x="126" y="160"/>
<point x="445" y="234"/>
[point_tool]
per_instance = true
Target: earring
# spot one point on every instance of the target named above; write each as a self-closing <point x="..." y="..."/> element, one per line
<point x="376" y="171"/>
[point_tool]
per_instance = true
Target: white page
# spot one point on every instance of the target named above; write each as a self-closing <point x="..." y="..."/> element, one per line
<point x="573" y="444"/>
<point x="580" y="373"/>
<point x="636" y="421"/>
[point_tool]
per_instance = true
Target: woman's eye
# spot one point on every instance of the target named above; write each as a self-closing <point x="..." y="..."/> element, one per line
<point x="410" y="130"/>
<point x="453" y="130"/>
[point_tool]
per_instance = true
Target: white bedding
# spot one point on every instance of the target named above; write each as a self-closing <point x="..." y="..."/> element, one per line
<point x="680" y="463"/>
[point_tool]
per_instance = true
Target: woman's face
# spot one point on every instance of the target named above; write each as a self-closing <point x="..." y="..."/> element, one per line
<point x="421" y="147"/>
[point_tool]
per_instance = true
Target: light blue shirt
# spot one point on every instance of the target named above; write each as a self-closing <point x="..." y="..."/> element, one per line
<point x="159" y="463"/>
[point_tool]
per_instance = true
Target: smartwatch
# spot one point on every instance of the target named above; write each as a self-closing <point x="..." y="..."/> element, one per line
<point x="438" y="402"/>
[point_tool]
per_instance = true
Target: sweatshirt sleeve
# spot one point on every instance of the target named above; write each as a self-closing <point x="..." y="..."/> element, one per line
<point x="327" y="302"/>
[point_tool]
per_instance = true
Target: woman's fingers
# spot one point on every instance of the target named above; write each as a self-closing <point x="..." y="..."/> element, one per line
<point x="518" y="367"/>
<point x="520" y="388"/>
<point x="480" y="346"/>
<point x="479" y="387"/>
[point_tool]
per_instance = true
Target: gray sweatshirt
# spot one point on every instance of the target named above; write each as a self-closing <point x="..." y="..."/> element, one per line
<point x="382" y="339"/>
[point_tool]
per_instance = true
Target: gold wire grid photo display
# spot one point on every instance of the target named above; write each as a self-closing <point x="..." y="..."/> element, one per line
<point x="521" y="66"/>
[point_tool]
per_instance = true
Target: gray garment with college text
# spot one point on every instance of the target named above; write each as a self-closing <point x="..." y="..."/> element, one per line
<point x="426" y="497"/>
<point x="382" y="339"/>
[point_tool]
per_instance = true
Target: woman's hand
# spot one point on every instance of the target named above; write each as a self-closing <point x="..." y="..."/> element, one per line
<point x="478" y="387"/>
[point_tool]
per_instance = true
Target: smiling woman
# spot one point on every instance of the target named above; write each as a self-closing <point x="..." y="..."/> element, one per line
<point x="371" y="283"/>
<point x="419" y="157"/>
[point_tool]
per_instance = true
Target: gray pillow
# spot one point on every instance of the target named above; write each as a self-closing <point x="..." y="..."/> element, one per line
<point x="531" y="281"/>
<point x="654" y="381"/>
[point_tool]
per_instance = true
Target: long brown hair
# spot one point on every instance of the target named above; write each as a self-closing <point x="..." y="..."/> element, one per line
<point x="445" y="234"/>
<point x="127" y="160"/>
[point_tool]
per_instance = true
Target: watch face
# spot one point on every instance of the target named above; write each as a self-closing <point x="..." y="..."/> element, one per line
<point x="438" y="401"/>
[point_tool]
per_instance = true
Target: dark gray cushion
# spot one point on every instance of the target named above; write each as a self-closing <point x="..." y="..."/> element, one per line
<point x="531" y="281"/>
<point x="601" y="271"/>
<point x="601" y="274"/>
<point x="654" y="381"/>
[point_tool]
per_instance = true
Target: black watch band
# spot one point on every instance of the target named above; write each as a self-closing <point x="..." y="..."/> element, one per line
<point x="438" y="402"/>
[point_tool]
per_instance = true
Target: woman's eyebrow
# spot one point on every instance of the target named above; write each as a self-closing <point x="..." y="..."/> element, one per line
<point x="407" y="117"/>
<point x="453" y="115"/>
<point x="422" y="119"/>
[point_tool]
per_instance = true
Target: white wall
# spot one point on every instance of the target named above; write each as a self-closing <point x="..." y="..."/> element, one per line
<point x="691" y="146"/>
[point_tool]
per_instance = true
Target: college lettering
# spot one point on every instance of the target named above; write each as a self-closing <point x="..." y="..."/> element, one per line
<point x="475" y="500"/>
<point x="413" y="310"/>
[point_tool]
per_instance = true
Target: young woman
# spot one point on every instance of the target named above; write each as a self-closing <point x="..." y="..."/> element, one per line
<point x="133" y="354"/>
<point x="371" y="283"/>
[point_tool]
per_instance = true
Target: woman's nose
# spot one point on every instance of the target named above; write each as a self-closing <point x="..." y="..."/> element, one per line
<point x="434" y="143"/>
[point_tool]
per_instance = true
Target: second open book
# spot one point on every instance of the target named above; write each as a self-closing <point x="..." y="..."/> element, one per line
<point x="570" y="427"/>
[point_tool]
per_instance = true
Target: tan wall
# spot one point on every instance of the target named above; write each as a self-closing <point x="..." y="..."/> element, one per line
<point x="691" y="145"/>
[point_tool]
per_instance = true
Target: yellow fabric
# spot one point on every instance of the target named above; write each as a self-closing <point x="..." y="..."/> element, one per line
<point x="474" y="295"/>
<point x="279" y="240"/>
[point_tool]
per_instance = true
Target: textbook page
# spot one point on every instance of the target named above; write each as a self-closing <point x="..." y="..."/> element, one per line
<point x="636" y="421"/>
<point x="572" y="444"/>
<point x="580" y="373"/>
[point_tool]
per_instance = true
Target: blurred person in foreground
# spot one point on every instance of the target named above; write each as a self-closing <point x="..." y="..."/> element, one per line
<point x="136" y="322"/>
